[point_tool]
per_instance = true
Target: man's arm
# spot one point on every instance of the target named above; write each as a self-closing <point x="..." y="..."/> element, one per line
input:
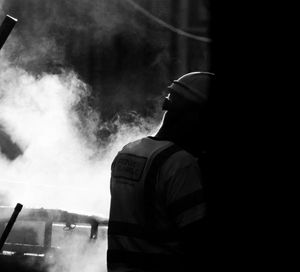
<point x="195" y="244"/>
<point x="187" y="208"/>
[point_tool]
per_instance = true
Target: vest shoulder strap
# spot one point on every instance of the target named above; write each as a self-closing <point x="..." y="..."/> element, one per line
<point x="150" y="181"/>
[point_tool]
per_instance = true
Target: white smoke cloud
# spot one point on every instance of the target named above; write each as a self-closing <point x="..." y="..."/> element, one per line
<point x="89" y="256"/>
<point x="64" y="165"/>
<point x="61" y="167"/>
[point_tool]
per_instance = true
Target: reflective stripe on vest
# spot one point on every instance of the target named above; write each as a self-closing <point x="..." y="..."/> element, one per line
<point x="150" y="181"/>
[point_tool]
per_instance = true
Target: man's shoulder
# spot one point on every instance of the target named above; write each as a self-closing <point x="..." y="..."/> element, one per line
<point x="183" y="156"/>
<point x="144" y="146"/>
<point x="180" y="160"/>
<point x="151" y="148"/>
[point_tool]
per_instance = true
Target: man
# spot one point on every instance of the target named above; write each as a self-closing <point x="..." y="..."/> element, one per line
<point x="158" y="212"/>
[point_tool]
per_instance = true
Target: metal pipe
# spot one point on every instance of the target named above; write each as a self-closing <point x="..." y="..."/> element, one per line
<point x="94" y="229"/>
<point x="10" y="224"/>
<point x="48" y="234"/>
<point x="6" y="27"/>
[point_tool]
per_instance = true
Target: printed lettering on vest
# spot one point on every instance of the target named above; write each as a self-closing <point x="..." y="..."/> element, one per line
<point x="128" y="166"/>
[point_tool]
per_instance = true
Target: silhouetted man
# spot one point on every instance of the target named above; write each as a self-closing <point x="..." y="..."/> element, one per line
<point x="158" y="210"/>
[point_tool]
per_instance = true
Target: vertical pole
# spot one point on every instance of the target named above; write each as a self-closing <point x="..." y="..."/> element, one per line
<point x="94" y="230"/>
<point x="6" y="27"/>
<point x="10" y="224"/>
<point x="173" y="40"/>
<point x="48" y="235"/>
<point x="182" y="53"/>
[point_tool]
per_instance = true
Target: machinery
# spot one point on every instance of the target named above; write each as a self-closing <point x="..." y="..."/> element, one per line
<point x="10" y="224"/>
<point x="39" y="236"/>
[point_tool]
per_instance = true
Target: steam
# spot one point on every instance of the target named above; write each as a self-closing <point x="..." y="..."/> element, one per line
<point x="70" y="126"/>
<point x="105" y="42"/>
<point x="87" y="257"/>
<point x="62" y="166"/>
<point x="70" y="106"/>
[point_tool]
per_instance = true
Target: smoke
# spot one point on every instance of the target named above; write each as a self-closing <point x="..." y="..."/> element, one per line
<point x="47" y="28"/>
<point x="107" y="44"/>
<point x="70" y="97"/>
<point x="64" y="163"/>
<point x="62" y="166"/>
<point x="85" y="258"/>
<point x="78" y="80"/>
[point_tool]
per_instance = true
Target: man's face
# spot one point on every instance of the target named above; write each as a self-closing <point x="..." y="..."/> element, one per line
<point x="166" y="103"/>
<point x="175" y="102"/>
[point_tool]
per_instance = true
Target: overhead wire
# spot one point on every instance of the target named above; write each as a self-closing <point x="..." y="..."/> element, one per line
<point x="166" y="25"/>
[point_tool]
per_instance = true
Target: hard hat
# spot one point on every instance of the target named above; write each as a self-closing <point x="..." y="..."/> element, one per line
<point x="193" y="86"/>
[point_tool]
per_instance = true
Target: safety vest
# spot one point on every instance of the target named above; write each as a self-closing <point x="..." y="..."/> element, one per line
<point x="139" y="232"/>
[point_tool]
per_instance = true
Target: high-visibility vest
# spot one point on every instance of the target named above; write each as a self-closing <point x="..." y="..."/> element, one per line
<point x="140" y="233"/>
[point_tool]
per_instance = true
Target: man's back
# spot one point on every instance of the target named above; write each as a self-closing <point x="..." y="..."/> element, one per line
<point x="155" y="192"/>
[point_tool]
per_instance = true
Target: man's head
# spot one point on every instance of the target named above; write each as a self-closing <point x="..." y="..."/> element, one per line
<point x="186" y="117"/>
<point x="190" y="90"/>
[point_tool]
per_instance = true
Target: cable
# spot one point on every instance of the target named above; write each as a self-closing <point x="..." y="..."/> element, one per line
<point x="166" y="25"/>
